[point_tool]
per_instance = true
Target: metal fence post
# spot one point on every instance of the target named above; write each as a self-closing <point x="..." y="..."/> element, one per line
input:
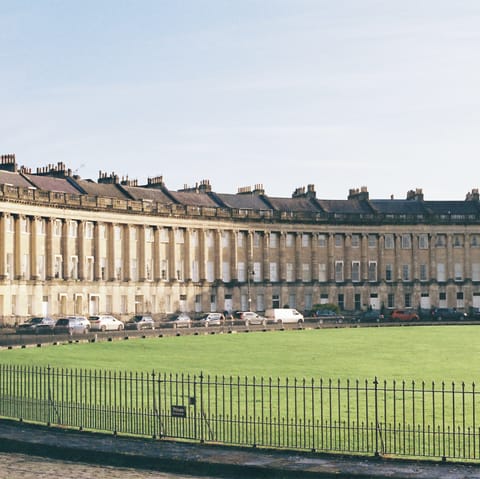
<point x="375" y="382"/>
<point x="202" y="439"/>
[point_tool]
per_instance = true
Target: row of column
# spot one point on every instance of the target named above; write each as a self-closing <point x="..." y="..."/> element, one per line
<point x="300" y="255"/>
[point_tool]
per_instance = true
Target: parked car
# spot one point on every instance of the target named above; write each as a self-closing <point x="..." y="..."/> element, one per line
<point x="212" y="319"/>
<point x="323" y="314"/>
<point x="474" y="313"/>
<point x="405" y="315"/>
<point x="72" y="325"/>
<point x="32" y="326"/>
<point x="105" y="322"/>
<point x="250" y="317"/>
<point x="284" y="315"/>
<point x="181" y="320"/>
<point x="139" y="322"/>
<point x="448" y="313"/>
<point x="370" y="316"/>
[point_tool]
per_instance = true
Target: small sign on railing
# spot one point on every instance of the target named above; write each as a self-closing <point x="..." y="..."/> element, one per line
<point x="178" y="411"/>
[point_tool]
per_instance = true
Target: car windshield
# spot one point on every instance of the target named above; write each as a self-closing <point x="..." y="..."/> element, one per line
<point x="62" y="322"/>
<point x="137" y="319"/>
<point x="94" y="318"/>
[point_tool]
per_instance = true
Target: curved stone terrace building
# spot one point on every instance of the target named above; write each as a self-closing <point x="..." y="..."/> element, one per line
<point x="75" y="246"/>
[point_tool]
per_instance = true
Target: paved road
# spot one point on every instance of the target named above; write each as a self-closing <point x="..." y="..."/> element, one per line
<point x="97" y="456"/>
<point x="21" y="466"/>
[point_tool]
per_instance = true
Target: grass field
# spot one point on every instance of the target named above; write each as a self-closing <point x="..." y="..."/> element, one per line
<point x="441" y="353"/>
<point x="308" y="389"/>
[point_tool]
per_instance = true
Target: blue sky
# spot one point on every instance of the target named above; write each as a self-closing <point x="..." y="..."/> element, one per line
<point x="339" y="93"/>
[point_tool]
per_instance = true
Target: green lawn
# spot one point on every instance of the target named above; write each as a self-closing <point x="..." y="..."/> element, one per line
<point x="442" y="353"/>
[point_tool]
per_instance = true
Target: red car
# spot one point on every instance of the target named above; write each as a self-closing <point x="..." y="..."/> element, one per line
<point x="405" y="315"/>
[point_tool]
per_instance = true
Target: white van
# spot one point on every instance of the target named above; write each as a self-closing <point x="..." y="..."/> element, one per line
<point x="284" y="315"/>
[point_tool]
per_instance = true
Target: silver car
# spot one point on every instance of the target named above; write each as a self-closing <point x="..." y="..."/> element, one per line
<point x="250" y="317"/>
<point x="72" y="325"/>
<point x="36" y="325"/>
<point x="105" y="322"/>
<point x="212" y="319"/>
<point x="181" y="320"/>
<point x="139" y="322"/>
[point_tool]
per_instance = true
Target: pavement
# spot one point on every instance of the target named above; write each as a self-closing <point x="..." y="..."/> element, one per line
<point x="212" y="460"/>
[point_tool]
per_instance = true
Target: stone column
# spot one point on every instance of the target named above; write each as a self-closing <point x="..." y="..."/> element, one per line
<point x="467" y="264"/>
<point x="34" y="248"/>
<point x="202" y="257"/>
<point x="127" y="274"/>
<point x="66" y="252"/>
<point x="381" y="258"/>
<point x="97" y="273"/>
<point x="141" y="261"/>
<point x="249" y="255"/>
<point x="415" y="265"/>
<point x="331" y="258"/>
<point x="364" y="258"/>
<point x="266" y="256"/>
<point x="218" y="256"/>
<point x="314" y="274"/>
<point x="49" y="252"/>
<point x="17" y="248"/>
<point x="449" y="265"/>
<point x="348" y="258"/>
<point x="3" y="253"/>
<point x="172" y="253"/>
<point x="282" y="249"/>
<point x="298" y="257"/>
<point x="234" y="254"/>
<point x="188" y="255"/>
<point x="433" y="257"/>
<point x="81" y="250"/>
<point x="157" y="269"/>
<point x="398" y="265"/>
<point x="111" y="251"/>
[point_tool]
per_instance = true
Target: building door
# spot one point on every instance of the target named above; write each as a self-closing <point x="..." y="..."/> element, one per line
<point x="374" y="302"/>
<point x="44" y="306"/>
<point x="425" y="302"/>
<point x="228" y="304"/>
<point x="139" y="306"/>
<point x="476" y="300"/>
<point x="94" y="305"/>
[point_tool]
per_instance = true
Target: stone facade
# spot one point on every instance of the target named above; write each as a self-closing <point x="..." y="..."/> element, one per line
<point x="74" y="246"/>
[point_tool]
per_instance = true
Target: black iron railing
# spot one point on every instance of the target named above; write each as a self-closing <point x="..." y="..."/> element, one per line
<point x="368" y="417"/>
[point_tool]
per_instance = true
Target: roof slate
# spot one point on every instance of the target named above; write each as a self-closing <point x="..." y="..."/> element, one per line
<point x="408" y="207"/>
<point x="191" y="198"/>
<point x="14" y="179"/>
<point x="294" y="204"/>
<point x="244" y="201"/>
<point x="453" y="207"/>
<point x="49" y="183"/>
<point x="345" y="207"/>
<point x="108" y="190"/>
<point x="152" y="194"/>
